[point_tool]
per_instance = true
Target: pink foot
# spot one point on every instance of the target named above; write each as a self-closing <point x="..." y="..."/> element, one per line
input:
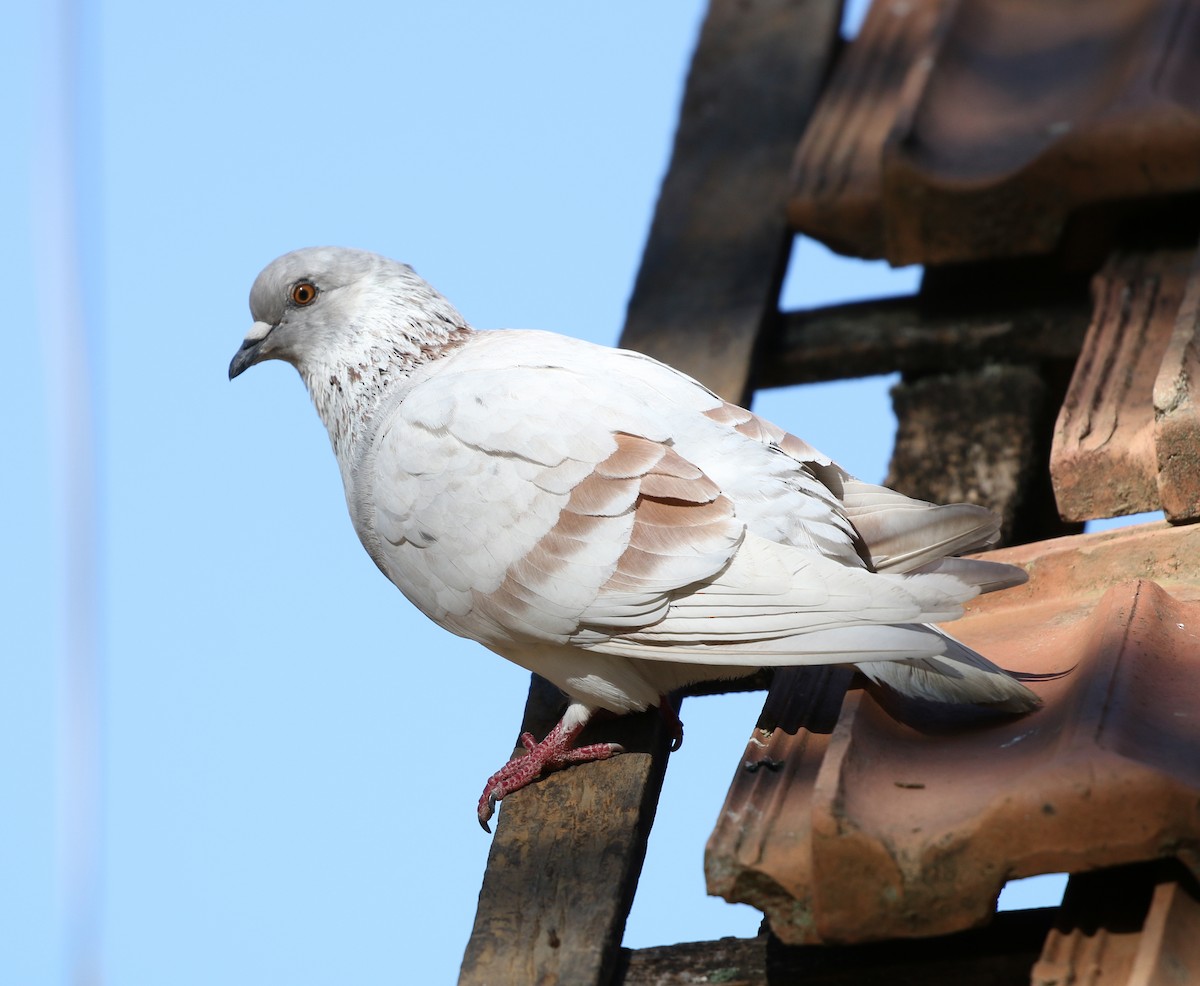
<point x="553" y="752"/>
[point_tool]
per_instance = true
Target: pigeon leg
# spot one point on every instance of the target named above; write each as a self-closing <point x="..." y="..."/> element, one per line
<point x="553" y="752"/>
<point x="670" y="716"/>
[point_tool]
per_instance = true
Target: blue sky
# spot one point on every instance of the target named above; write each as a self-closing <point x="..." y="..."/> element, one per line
<point x="280" y="782"/>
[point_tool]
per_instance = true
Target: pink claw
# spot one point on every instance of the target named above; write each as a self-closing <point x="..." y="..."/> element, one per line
<point x="670" y="716"/>
<point x="553" y="752"/>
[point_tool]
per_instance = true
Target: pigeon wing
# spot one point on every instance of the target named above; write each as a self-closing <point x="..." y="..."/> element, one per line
<point x="507" y="507"/>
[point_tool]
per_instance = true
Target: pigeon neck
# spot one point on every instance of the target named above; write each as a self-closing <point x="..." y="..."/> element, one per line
<point x="350" y="390"/>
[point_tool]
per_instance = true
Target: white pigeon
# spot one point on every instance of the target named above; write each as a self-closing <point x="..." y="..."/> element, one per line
<point x="605" y="521"/>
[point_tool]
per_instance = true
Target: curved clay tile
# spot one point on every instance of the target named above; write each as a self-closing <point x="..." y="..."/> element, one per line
<point x="956" y="131"/>
<point x="907" y="820"/>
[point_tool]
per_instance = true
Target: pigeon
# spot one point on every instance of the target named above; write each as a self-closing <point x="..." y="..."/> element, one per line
<point x="605" y="521"/>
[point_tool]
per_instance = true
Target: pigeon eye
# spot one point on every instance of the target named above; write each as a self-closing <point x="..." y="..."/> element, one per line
<point x="304" y="293"/>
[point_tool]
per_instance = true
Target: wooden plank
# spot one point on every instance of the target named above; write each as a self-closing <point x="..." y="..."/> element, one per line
<point x="998" y="955"/>
<point x="976" y="423"/>
<point x="566" y="857"/>
<point x="905" y="334"/>
<point x="719" y="241"/>
<point x="980" y="436"/>
<point x="568" y="849"/>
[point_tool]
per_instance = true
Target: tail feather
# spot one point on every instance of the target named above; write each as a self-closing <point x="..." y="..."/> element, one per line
<point x="959" y="675"/>
<point x="986" y="576"/>
<point x="903" y="534"/>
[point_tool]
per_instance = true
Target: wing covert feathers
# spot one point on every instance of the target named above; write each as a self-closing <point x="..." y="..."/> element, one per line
<point x="642" y="524"/>
<point x="619" y="528"/>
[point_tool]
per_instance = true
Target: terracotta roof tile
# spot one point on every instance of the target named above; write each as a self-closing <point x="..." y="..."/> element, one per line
<point x="960" y="131"/>
<point x="837" y="192"/>
<point x="1131" y="924"/>
<point x="906" y="819"/>
<point x="1128" y="434"/>
<point x="1177" y="410"/>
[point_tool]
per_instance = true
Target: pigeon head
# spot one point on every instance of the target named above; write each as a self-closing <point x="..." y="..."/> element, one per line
<point x="322" y="307"/>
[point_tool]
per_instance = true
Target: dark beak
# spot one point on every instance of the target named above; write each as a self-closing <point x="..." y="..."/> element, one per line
<point x="251" y="351"/>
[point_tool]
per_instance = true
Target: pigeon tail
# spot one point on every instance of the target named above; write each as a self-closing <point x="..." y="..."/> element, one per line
<point x="958" y="675"/>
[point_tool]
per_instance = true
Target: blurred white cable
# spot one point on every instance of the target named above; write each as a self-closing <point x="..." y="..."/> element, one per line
<point x="67" y="317"/>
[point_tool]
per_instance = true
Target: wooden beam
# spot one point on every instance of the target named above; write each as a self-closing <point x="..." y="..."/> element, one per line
<point x="907" y="334"/>
<point x="981" y="436"/>
<point x="999" y="955"/>
<point x="719" y="241"/>
<point x="566" y="857"/>
<point x="568" y="850"/>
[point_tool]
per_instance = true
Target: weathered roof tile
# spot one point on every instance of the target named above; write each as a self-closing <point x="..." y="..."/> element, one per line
<point x="1128" y="434"/>
<point x="907" y="819"/>
<point x="1131" y="924"/>
<point x="960" y="131"/>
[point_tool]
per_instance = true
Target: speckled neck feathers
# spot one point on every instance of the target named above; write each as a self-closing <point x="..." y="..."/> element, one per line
<point x="348" y="388"/>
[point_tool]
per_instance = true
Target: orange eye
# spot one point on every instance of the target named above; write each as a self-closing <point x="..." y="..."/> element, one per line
<point x="304" y="293"/>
